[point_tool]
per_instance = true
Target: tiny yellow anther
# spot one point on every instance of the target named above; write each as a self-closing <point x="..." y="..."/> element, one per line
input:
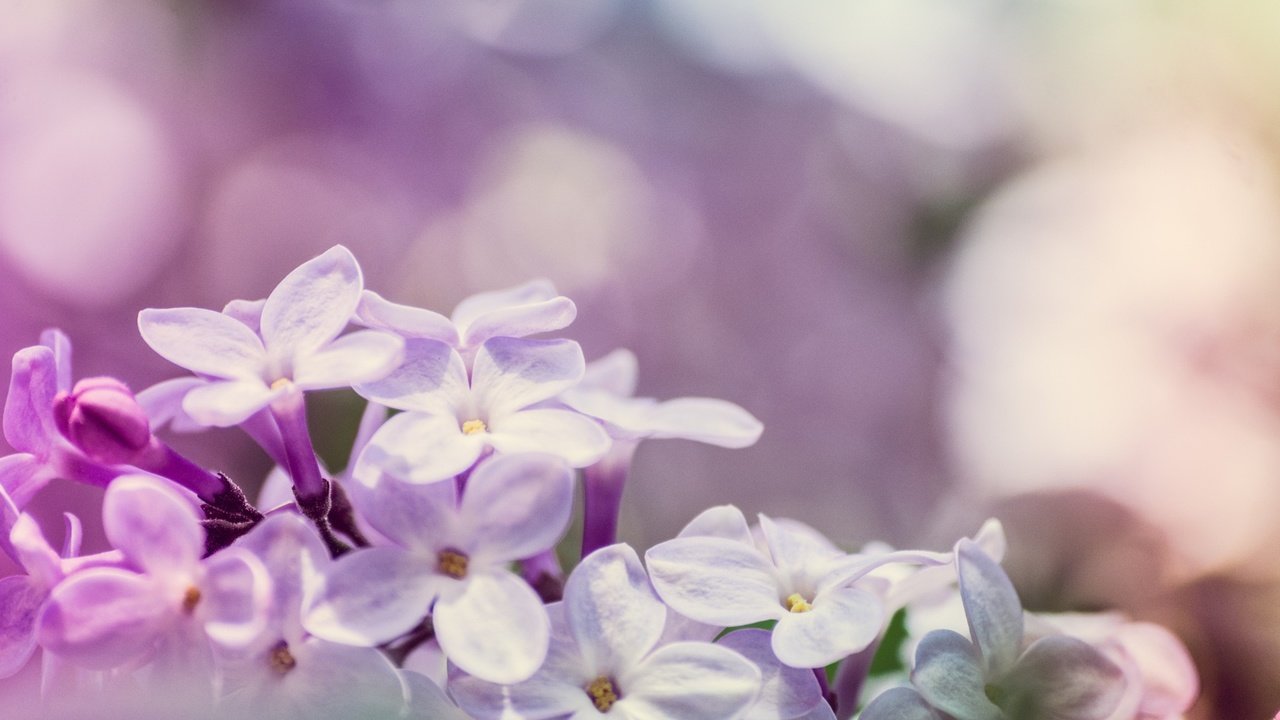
<point x="797" y="604"/>
<point x="452" y="563"/>
<point x="471" y="427"/>
<point x="281" y="383"/>
<point x="280" y="659"/>
<point x="602" y="693"/>
<point x="190" y="599"/>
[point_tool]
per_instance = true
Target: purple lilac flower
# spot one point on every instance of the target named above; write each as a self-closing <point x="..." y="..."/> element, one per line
<point x="997" y="675"/>
<point x="451" y="559"/>
<point x="605" y="659"/>
<point x="453" y="419"/>
<point x="516" y="312"/>
<point x="105" y="617"/>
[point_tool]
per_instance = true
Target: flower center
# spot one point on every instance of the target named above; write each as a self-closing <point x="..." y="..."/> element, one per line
<point x="797" y="604"/>
<point x="190" y="599"/>
<point x="995" y="694"/>
<point x="280" y="383"/>
<point x="471" y="427"/>
<point x="280" y="659"/>
<point x="602" y="693"/>
<point x="452" y="563"/>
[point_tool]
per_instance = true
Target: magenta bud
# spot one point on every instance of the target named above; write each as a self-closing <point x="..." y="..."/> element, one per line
<point x="101" y="417"/>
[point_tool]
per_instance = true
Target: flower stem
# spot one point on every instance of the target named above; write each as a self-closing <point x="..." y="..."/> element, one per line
<point x="602" y="488"/>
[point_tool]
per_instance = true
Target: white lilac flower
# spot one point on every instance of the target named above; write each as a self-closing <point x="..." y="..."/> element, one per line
<point x="164" y="593"/>
<point x="824" y="605"/>
<point x="288" y="673"/>
<point x="450" y="559"/>
<point x="524" y="310"/>
<point x="605" y="659"/>
<point x="297" y="346"/>
<point x="453" y="418"/>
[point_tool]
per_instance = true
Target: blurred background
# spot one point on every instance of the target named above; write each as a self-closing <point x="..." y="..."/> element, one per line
<point x="962" y="257"/>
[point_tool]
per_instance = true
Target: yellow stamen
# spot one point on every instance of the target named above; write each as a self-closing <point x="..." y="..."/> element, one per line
<point x="797" y="604"/>
<point x="280" y="659"/>
<point x="190" y="599"/>
<point x="602" y="693"/>
<point x="280" y="383"/>
<point x="452" y="563"/>
<point x="471" y="427"/>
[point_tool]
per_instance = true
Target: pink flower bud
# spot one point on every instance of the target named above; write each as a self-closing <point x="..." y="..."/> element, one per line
<point x="101" y="417"/>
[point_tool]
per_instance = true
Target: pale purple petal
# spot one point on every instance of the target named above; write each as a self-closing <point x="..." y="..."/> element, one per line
<point x="687" y="680"/>
<point x="376" y="311"/>
<point x="948" y="673"/>
<point x="294" y="555"/>
<point x="360" y="357"/>
<point x="793" y="544"/>
<point x="431" y="379"/>
<point x="28" y="409"/>
<point x="785" y="692"/>
<point x="517" y="505"/>
<point x="615" y="374"/>
<point x="1064" y="677"/>
<point x="1169" y="678"/>
<point x="152" y="524"/>
<point x="576" y="438"/>
<point x="73" y="534"/>
<point x="313" y="303"/>
<point x="230" y="402"/>
<point x="371" y="596"/>
<point x="496" y="629"/>
<point x="991" y="606"/>
<point x="723" y="521"/>
<point x="9" y="514"/>
<point x="248" y="312"/>
<point x="511" y="373"/>
<point x="427" y="701"/>
<point x="419" y="448"/>
<point x="373" y="417"/>
<point x="235" y="598"/>
<point x="20" y="600"/>
<point x="22" y="476"/>
<point x="472" y="307"/>
<point x="519" y="321"/>
<point x="34" y="553"/>
<point x="612" y="611"/>
<point x="841" y="622"/>
<point x="103" y="618"/>
<point x="277" y="489"/>
<point x="714" y="580"/>
<point x="336" y="681"/>
<point x="60" y="344"/>
<point x="162" y="403"/>
<point x="900" y="703"/>
<point x="708" y="420"/>
<point x="411" y="515"/>
<point x="203" y="341"/>
<point x="624" y="417"/>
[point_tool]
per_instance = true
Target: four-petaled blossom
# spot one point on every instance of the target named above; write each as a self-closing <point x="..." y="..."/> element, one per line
<point x="295" y="348"/>
<point x="453" y="419"/>
<point x="105" y="617"/>
<point x="451" y="559"/>
<point x="606" y="659"/>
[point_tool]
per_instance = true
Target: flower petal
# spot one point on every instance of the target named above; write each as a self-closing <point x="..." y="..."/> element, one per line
<point x="714" y="580"/>
<point x="370" y="596"/>
<point x="785" y="692"/>
<point x="312" y="304"/>
<point x="410" y="514"/>
<point x="236" y="598"/>
<point x="227" y="403"/>
<point x="534" y="291"/>
<point x="103" y="618"/>
<point x="1062" y="676"/>
<point x="419" y="448"/>
<point x="34" y="553"/>
<point x="152" y="524"/>
<point x="496" y="629"/>
<point x="576" y="438"/>
<point x="248" y="312"/>
<point x="690" y="680"/>
<point x="376" y="311"/>
<point x="162" y="403"/>
<point x="900" y="703"/>
<point x="22" y="476"/>
<point x="1169" y="676"/>
<point x="511" y="373"/>
<point x="518" y="321"/>
<point x="351" y="359"/>
<point x="60" y="344"/>
<point x="793" y="544"/>
<point x="723" y="521"/>
<point x="612" y="611"/>
<point x="991" y="606"/>
<point x="948" y="673"/>
<point x="614" y="374"/>
<point x="517" y="505"/>
<point x="20" y="600"/>
<point x="708" y="420"/>
<point x="203" y="341"/>
<point x="840" y="623"/>
<point x="426" y="700"/>
<point x="430" y="379"/>
<point x="28" y="409"/>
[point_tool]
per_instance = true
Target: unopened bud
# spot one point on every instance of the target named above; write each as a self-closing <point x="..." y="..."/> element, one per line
<point x="101" y="417"/>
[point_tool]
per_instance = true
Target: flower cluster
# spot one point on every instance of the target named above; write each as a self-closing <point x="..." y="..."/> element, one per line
<point x="424" y="580"/>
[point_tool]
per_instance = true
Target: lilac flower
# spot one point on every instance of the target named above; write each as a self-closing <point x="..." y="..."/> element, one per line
<point x="716" y="573"/>
<point x="287" y="673"/>
<point x="997" y="676"/>
<point x="605" y="659"/>
<point x="105" y="617"/>
<point x="786" y="693"/>
<point x="516" y="312"/>
<point x="450" y="559"/>
<point x="452" y="420"/>
<point x="297" y="348"/>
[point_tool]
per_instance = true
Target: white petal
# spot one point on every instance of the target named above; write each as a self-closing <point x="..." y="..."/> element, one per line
<point x="236" y="596"/>
<point x="517" y="505"/>
<point x="227" y="403"/>
<point x="419" y="448"/>
<point x="313" y="303"/>
<point x="576" y="438"/>
<point x="371" y="596"/>
<point x="152" y="524"/>
<point x="376" y="311"/>
<point x="708" y="420"/>
<point x="203" y="341"/>
<point x="496" y="629"/>
<point x="510" y="373"/>
<point x="715" y="581"/>
<point x="611" y="609"/>
<point x="690" y="680"/>
<point x="431" y="378"/>
<point x="351" y="359"/>
<point x="615" y="373"/>
<point x="842" y="622"/>
<point x="470" y="308"/>
<point x="520" y="321"/>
